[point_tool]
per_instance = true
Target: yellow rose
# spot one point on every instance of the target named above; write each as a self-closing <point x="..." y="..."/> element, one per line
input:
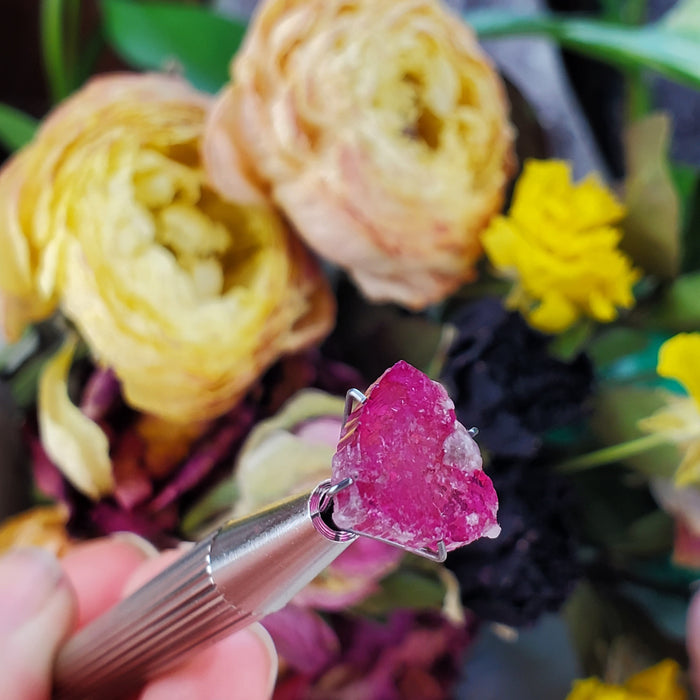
<point x="381" y="130"/>
<point x="108" y="214"/>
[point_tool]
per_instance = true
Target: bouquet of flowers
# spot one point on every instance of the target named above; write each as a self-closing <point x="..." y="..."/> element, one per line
<point x="202" y="251"/>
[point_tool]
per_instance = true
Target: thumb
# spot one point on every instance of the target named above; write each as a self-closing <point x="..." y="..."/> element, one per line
<point x="37" y="607"/>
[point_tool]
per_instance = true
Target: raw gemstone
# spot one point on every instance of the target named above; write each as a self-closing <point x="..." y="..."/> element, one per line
<point x="417" y="476"/>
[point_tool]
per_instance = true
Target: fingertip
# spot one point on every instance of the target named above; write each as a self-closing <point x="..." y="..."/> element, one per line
<point x="37" y="606"/>
<point x="242" y="666"/>
<point x="99" y="570"/>
<point x="269" y="653"/>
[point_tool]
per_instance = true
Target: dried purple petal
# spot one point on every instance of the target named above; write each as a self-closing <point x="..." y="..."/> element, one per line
<point x="101" y="394"/>
<point x="352" y="577"/>
<point x="133" y="485"/>
<point x="47" y="476"/>
<point x="410" y="655"/>
<point x="214" y="448"/>
<point x="105" y="518"/>
<point x="303" y="639"/>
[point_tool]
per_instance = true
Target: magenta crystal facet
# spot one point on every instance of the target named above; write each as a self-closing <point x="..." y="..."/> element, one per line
<point x="416" y="471"/>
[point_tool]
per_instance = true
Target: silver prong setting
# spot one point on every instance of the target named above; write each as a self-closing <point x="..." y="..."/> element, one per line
<point x="439" y="554"/>
<point x="332" y="490"/>
<point x="340" y="486"/>
<point x="352" y="397"/>
<point x="473" y="431"/>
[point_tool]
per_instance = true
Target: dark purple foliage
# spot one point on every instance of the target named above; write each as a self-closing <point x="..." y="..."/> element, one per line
<point x="532" y="567"/>
<point x="503" y="380"/>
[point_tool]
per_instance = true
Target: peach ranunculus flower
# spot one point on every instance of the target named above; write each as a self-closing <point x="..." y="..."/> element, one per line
<point x="379" y="127"/>
<point x="108" y="214"/>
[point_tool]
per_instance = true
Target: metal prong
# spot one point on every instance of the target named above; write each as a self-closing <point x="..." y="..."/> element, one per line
<point x="473" y="431"/>
<point x="332" y="490"/>
<point x="340" y="486"/>
<point x="439" y="554"/>
<point x="351" y="397"/>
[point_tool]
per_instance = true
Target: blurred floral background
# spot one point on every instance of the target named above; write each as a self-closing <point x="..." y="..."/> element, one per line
<point x="215" y="218"/>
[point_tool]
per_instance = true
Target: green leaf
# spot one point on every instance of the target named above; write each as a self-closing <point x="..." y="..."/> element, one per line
<point x="684" y="18"/>
<point x="628" y="355"/>
<point x="667" y="612"/>
<point x="613" y="502"/>
<point x="60" y="21"/>
<point x="685" y="179"/>
<point x="671" y="48"/>
<point x="162" y="35"/>
<point x="591" y="625"/>
<point x="653" y="223"/>
<point x="406" y="588"/>
<point x="691" y="234"/>
<point x="648" y="535"/>
<point x="614" y="344"/>
<point x="16" y="128"/>
<point x="679" y="310"/>
<point x="616" y="414"/>
<point x="216" y="504"/>
<point x="25" y="382"/>
<point x="572" y="341"/>
<point x="604" y="618"/>
<point x="662" y="572"/>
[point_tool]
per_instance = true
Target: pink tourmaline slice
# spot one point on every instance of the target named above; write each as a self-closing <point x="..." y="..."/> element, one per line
<point x="417" y="476"/>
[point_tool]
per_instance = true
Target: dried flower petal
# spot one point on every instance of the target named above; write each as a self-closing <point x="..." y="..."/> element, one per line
<point x="108" y="214"/>
<point x="304" y="640"/>
<point x="43" y="526"/>
<point x="77" y="445"/>
<point x="381" y="130"/>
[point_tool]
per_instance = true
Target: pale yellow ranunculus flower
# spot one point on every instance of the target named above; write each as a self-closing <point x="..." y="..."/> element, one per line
<point x="108" y="214"/>
<point x="379" y="127"/>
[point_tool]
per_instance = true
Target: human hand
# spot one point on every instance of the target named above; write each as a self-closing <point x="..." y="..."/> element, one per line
<point x="43" y="600"/>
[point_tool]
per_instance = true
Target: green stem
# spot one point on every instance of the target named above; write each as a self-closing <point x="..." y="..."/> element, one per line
<point x="60" y="21"/>
<point x="71" y="40"/>
<point x="614" y="453"/>
<point x="638" y="96"/>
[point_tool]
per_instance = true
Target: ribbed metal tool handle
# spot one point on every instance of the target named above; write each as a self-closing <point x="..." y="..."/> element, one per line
<point x="147" y="632"/>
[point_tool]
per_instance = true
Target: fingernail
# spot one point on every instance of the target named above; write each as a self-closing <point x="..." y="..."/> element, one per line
<point x="264" y="638"/>
<point x="137" y="541"/>
<point x="28" y="577"/>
